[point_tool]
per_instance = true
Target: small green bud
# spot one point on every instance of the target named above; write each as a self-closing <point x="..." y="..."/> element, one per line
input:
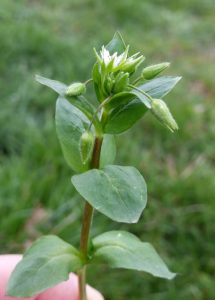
<point x="161" y="111"/>
<point x="86" y="146"/>
<point x="122" y="81"/>
<point x="152" y="71"/>
<point x="109" y="83"/>
<point x="76" y="89"/>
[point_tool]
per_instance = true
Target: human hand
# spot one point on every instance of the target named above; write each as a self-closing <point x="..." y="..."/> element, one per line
<point x="67" y="290"/>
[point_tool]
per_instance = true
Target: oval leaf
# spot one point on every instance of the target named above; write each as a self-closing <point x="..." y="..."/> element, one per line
<point x="55" y="85"/>
<point x="120" y="249"/>
<point x="159" y="87"/>
<point x="108" y="151"/>
<point x="47" y="263"/>
<point x="124" y="116"/>
<point x="118" y="192"/>
<point x="70" y="125"/>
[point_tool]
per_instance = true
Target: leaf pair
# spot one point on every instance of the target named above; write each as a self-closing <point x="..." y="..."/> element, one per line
<point x="50" y="260"/>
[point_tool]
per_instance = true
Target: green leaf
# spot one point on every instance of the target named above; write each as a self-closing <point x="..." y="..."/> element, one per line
<point x="159" y="87"/>
<point x="83" y="105"/>
<point x="70" y="125"/>
<point x="124" y="116"/>
<point x="47" y="263"/>
<point x="118" y="192"/>
<point x="108" y="151"/>
<point x="120" y="249"/>
<point x="119" y="99"/>
<point x="145" y="100"/>
<point x="117" y="44"/>
<point x="97" y="82"/>
<point x="55" y="85"/>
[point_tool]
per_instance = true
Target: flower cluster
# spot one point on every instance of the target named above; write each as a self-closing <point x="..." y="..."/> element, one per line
<point x="114" y="63"/>
<point x="114" y="70"/>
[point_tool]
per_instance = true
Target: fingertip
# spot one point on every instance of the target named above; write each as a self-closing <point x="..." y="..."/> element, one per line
<point x="68" y="290"/>
<point x="7" y="265"/>
<point x="93" y="294"/>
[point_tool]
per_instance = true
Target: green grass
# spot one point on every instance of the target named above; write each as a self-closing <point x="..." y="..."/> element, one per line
<point x="55" y="39"/>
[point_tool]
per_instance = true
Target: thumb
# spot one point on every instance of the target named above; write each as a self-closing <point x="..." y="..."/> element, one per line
<point x="68" y="290"/>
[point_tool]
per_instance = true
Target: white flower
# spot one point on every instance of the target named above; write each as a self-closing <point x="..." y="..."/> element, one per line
<point x="115" y="62"/>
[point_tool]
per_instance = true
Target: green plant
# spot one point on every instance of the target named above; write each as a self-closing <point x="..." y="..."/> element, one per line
<point x="86" y="134"/>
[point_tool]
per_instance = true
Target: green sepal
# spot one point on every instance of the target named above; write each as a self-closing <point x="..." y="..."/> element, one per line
<point x="121" y="82"/>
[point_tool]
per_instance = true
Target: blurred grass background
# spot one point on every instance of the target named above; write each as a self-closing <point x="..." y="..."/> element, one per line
<point x="55" y="39"/>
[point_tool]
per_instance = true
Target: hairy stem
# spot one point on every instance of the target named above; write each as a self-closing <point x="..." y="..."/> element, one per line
<point x="87" y="221"/>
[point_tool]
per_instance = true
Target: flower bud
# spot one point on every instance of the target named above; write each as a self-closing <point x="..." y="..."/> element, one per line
<point x="132" y="63"/>
<point x="108" y="84"/>
<point x="86" y="146"/>
<point x="76" y="89"/>
<point x="122" y="81"/>
<point x="152" y="71"/>
<point x="161" y="111"/>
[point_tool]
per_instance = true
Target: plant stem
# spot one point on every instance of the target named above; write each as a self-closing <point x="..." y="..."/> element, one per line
<point x="142" y="92"/>
<point x="87" y="221"/>
<point x="88" y="81"/>
<point x="137" y="80"/>
<point x="97" y="110"/>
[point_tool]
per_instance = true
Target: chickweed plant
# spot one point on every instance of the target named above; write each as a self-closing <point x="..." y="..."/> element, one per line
<point x="124" y="92"/>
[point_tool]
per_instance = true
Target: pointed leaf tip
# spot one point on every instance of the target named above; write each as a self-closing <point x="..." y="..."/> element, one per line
<point x="55" y="85"/>
<point x="121" y="249"/>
